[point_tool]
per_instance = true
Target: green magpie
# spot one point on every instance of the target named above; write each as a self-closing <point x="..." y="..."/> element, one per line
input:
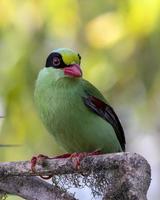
<point x="73" y="110"/>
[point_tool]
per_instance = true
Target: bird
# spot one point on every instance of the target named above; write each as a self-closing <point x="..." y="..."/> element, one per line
<point x="73" y="110"/>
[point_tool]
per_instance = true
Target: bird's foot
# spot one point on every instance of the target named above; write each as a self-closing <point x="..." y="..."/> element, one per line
<point x="78" y="157"/>
<point x="40" y="159"/>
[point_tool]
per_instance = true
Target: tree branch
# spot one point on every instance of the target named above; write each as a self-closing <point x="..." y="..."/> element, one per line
<point x="32" y="188"/>
<point x="131" y="176"/>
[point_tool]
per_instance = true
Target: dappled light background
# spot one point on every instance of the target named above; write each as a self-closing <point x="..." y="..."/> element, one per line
<point x="119" y="42"/>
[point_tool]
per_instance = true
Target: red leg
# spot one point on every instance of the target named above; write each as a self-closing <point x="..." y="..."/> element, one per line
<point x="94" y="153"/>
<point x="66" y="155"/>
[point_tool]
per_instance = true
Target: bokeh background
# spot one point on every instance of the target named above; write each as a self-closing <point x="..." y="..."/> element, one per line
<point x="119" y="42"/>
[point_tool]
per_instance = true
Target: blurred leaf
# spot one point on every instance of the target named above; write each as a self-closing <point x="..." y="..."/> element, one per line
<point x="105" y="30"/>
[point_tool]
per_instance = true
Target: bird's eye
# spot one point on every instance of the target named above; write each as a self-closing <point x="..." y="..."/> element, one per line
<point x="56" y="61"/>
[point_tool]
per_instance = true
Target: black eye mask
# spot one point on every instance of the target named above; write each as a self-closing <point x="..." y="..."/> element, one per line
<point x="55" y="60"/>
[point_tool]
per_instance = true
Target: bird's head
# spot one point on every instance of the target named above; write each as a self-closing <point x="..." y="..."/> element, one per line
<point x="66" y="60"/>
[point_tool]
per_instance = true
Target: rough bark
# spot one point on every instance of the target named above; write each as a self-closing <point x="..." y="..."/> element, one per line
<point x="129" y="176"/>
<point x="32" y="188"/>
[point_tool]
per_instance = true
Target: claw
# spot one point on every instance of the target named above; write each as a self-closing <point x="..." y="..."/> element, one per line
<point x="76" y="159"/>
<point x="35" y="160"/>
<point x="33" y="163"/>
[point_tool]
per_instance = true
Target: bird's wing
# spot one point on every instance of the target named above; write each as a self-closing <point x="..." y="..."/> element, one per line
<point x="95" y="101"/>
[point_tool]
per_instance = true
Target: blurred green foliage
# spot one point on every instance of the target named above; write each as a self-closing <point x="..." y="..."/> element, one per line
<point x="119" y="42"/>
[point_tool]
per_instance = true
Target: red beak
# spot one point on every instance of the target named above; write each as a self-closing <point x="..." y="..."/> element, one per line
<point x="73" y="70"/>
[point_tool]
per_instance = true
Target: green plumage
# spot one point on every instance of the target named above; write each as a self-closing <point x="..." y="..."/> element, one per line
<point x="75" y="127"/>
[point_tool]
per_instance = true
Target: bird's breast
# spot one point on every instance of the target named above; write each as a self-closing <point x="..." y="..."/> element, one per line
<point x="59" y="106"/>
